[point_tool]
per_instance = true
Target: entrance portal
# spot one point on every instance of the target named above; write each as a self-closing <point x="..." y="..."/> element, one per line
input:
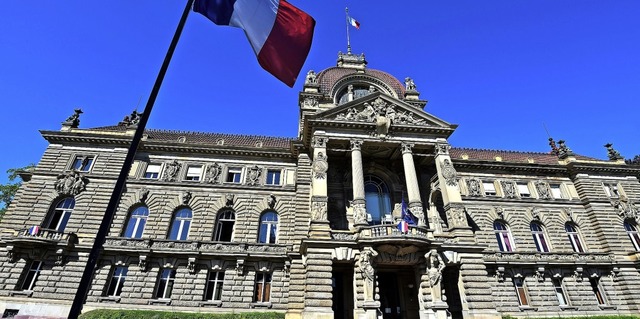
<point x="398" y="294"/>
<point x="342" y="305"/>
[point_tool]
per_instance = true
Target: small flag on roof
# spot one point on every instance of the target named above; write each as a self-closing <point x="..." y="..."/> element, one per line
<point x="280" y="34"/>
<point x="354" y="23"/>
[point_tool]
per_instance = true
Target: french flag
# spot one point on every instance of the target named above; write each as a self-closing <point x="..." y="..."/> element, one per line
<point x="279" y="33"/>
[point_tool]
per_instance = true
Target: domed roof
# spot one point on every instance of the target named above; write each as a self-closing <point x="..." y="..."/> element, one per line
<point x="329" y="77"/>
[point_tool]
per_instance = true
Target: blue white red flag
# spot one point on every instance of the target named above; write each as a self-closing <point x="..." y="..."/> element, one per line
<point x="407" y="218"/>
<point x="34" y="230"/>
<point x="280" y="34"/>
<point x="354" y="23"/>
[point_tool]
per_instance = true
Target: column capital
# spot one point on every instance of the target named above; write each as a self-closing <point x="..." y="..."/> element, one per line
<point x="406" y="147"/>
<point x="320" y="141"/>
<point x="442" y="149"/>
<point x="356" y="145"/>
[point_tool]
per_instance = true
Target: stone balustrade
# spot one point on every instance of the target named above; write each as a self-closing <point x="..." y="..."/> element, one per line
<point x="550" y="257"/>
<point x="191" y="247"/>
<point x="47" y="235"/>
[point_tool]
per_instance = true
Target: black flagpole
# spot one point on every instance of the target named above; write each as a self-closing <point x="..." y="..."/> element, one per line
<point x="87" y="275"/>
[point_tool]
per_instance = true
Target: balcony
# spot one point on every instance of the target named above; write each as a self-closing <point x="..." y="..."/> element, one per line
<point x="36" y="236"/>
<point x="388" y="232"/>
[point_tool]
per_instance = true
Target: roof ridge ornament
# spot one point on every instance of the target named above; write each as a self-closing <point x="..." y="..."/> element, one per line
<point x="72" y="121"/>
<point x="352" y="61"/>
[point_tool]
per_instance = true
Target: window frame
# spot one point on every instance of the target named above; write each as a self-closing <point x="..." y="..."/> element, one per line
<point x="632" y="232"/>
<point x="214" y="287"/>
<point x="520" y="186"/>
<point x="493" y="191"/>
<point x="222" y="223"/>
<point x="556" y="191"/>
<point x="270" y="180"/>
<point x="598" y="291"/>
<point x="521" y="292"/>
<point x="158" y="173"/>
<point x="28" y="277"/>
<point x="575" y="238"/>
<point x="262" y="287"/>
<point x="63" y="212"/>
<point x="539" y="237"/>
<point x="180" y="222"/>
<point x="81" y="160"/>
<point x="506" y="242"/>
<point x="191" y="176"/>
<point x="119" y="273"/>
<point x="139" y="220"/>
<point x="561" y="293"/>
<point x="268" y="228"/>
<point x="166" y="281"/>
<point x="232" y="173"/>
<point x="612" y="190"/>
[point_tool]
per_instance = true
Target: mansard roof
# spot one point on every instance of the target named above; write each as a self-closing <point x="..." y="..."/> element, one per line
<point x="510" y="156"/>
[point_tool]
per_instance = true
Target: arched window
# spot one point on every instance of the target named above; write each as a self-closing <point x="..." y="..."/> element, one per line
<point x="181" y="224"/>
<point x="268" y="227"/>
<point x="60" y="215"/>
<point x="136" y="223"/>
<point x="537" y="230"/>
<point x="378" y="200"/>
<point x="574" y="237"/>
<point x="224" y="226"/>
<point x="632" y="231"/>
<point x="503" y="235"/>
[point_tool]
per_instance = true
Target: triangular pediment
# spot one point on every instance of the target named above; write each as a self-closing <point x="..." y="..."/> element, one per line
<point x="377" y="107"/>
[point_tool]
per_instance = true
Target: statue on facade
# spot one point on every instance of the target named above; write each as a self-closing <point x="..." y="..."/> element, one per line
<point x="311" y="78"/>
<point x="73" y="120"/>
<point x="626" y="208"/>
<point x="368" y="272"/>
<point x="319" y="210"/>
<point x="563" y="150"/>
<point x="474" y="187"/>
<point x="554" y="147"/>
<point x="70" y="184"/>
<point x="171" y="171"/>
<point x="613" y="154"/>
<point x="435" y="265"/>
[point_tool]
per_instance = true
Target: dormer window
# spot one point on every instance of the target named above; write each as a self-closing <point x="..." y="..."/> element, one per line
<point x="353" y="92"/>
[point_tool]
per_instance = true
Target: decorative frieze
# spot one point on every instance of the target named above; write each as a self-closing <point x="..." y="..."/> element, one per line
<point x="378" y="110"/>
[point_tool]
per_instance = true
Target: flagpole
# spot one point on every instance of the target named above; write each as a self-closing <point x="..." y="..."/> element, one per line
<point x="94" y="254"/>
<point x="346" y="10"/>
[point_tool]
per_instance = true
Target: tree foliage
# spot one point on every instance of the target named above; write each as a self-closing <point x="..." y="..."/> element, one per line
<point x="8" y="190"/>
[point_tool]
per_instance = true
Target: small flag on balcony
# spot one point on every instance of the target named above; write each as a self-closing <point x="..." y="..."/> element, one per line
<point x="407" y="218"/>
<point x="34" y="230"/>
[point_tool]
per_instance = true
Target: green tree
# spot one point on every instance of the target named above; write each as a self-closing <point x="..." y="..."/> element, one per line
<point x="8" y="190"/>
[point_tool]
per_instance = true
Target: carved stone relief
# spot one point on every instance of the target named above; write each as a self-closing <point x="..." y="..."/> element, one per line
<point x="229" y="199"/>
<point x="171" y="171"/>
<point x="457" y="215"/>
<point x="271" y="201"/>
<point x="509" y="189"/>
<point x="143" y="194"/>
<point x="473" y="185"/>
<point x="381" y="113"/>
<point x="319" y="209"/>
<point x="254" y="174"/>
<point x="626" y="208"/>
<point x="186" y="197"/>
<point x="320" y="142"/>
<point x="213" y="173"/>
<point x="71" y="184"/>
<point x="449" y="173"/>
<point x="359" y="212"/>
<point x="543" y="189"/>
<point x="320" y="166"/>
<point x="442" y="149"/>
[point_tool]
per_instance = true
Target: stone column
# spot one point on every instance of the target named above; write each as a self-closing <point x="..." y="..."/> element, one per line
<point x="358" y="203"/>
<point x="319" y="223"/>
<point x="413" y="190"/>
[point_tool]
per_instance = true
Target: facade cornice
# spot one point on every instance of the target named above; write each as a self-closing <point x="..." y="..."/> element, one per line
<point x="486" y="165"/>
<point x="613" y="168"/>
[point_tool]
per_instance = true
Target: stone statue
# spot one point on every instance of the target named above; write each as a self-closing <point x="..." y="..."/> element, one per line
<point x="409" y="84"/>
<point x="626" y="208"/>
<point x="613" y="154"/>
<point x="554" y="147"/>
<point x="73" y="120"/>
<point x="70" y="184"/>
<point x="563" y="150"/>
<point x="311" y="78"/>
<point x="435" y="265"/>
<point x="368" y="272"/>
<point x="271" y="201"/>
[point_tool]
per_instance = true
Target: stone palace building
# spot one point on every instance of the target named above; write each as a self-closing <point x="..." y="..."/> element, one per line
<point x="309" y="226"/>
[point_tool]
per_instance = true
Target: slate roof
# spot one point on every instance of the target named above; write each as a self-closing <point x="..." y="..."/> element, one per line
<point x="328" y="77"/>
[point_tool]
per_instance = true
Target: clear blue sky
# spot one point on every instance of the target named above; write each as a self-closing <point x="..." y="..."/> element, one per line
<point x="499" y="69"/>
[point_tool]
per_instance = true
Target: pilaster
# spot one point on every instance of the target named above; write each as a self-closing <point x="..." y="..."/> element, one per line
<point x="319" y="223"/>
<point x="318" y="285"/>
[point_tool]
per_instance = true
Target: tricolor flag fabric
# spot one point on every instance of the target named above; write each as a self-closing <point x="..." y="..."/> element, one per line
<point x="407" y="219"/>
<point x="354" y="23"/>
<point x="280" y="34"/>
<point x="34" y="230"/>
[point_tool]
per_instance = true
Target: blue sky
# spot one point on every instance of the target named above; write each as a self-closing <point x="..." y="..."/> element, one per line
<point x="499" y="69"/>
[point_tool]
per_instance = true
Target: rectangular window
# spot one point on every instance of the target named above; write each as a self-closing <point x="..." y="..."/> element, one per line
<point x="523" y="190"/>
<point x="559" y="289"/>
<point x="82" y="163"/>
<point x="273" y="177"/>
<point x="234" y="175"/>
<point x="165" y="283"/>
<point x="153" y="171"/>
<point x="555" y="191"/>
<point x="117" y="281"/>
<point x="32" y="275"/>
<point x="521" y="291"/>
<point x="263" y="287"/>
<point x="611" y="190"/>
<point x="489" y="188"/>
<point x="597" y="290"/>
<point x="214" y="286"/>
<point x="193" y="173"/>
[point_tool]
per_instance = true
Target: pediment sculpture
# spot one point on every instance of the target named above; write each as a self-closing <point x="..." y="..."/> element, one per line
<point x="379" y="111"/>
<point x="71" y="184"/>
